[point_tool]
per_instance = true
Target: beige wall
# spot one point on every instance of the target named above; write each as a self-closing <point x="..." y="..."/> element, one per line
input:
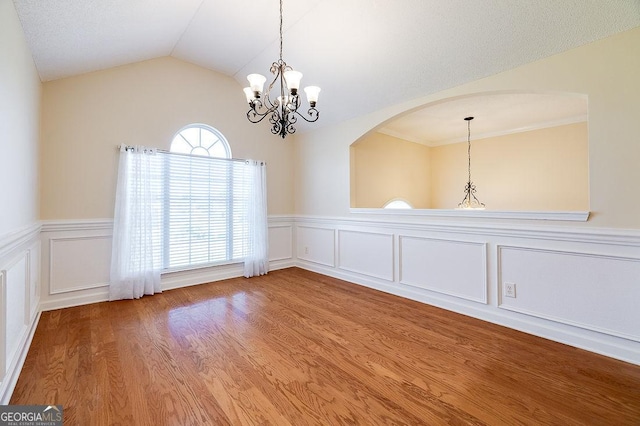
<point x="19" y="126"/>
<point x="606" y="71"/>
<point x="385" y="168"/>
<point x="540" y="170"/>
<point x="85" y="117"/>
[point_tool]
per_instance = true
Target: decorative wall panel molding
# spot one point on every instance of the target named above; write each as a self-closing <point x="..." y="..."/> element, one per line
<point x="19" y="302"/>
<point x="591" y="291"/>
<point x="316" y="244"/>
<point x="367" y="253"/>
<point x="17" y="312"/>
<point x="79" y="263"/>
<point x="451" y="267"/>
<point x="77" y="256"/>
<point x="280" y="242"/>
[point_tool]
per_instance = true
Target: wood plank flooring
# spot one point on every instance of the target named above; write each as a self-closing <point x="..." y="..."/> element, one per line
<point x="298" y="348"/>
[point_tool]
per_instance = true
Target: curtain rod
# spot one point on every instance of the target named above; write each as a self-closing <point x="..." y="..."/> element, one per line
<point x="164" y="151"/>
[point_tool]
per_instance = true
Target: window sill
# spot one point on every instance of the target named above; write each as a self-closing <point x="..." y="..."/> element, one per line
<point x="573" y="216"/>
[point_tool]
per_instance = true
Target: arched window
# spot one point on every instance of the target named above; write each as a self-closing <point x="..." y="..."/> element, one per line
<point x="200" y="139"/>
<point x="397" y="204"/>
<point x="200" y="203"/>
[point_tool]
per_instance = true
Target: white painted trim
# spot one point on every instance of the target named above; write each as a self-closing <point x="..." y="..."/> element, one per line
<point x="275" y="219"/>
<point x="24" y="256"/>
<point x="77" y="225"/>
<point x="281" y="264"/>
<point x="393" y="254"/>
<point x="609" y="236"/>
<point x="335" y="241"/>
<point x="34" y="307"/>
<point x="485" y="280"/>
<point x="551" y="317"/>
<point x="13" y="240"/>
<point x="290" y="227"/>
<point x="575" y="216"/>
<point x="51" y="255"/>
<point x="101" y="295"/>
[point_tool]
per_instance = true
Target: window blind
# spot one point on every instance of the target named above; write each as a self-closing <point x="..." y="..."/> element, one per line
<point x="204" y="203"/>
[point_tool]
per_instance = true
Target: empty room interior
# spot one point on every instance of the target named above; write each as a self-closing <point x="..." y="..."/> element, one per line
<point x="321" y="212"/>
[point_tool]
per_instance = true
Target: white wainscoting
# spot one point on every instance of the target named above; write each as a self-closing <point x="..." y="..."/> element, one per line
<point x="574" y="285"/>
<point x="378" y="260"/>
<point x="577" y="286"/>
<point x="19" y="302"/>
<point x="316" y="244"/>
<point x="280" y="242"/>
<point x="454" y="268"/>
<point x="76" y="260"/>
<point x="591" y="291"/>
<point x="66" y="254"/>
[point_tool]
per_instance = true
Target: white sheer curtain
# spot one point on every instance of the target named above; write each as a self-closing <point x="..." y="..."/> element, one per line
<point x="257" y="242"/>
<point x="136" y="255"/>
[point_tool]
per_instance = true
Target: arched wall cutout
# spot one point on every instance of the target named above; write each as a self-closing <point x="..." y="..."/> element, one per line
<point x="529" y="152"/>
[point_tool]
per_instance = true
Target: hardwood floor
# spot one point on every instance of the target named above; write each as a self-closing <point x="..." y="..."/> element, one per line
<point x="298" y="348"/>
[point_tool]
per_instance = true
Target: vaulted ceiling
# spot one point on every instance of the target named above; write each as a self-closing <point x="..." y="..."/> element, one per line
<point x="365" y="54"/>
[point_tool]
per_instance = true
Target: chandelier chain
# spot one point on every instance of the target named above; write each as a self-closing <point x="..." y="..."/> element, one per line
<point x="280" y="30"/>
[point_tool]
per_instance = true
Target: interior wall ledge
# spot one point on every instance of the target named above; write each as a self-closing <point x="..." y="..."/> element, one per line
<point x="614" y="236"/>
<point x="573" y="216"/>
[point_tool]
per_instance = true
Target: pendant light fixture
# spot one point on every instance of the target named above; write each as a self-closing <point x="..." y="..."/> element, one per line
<point x="281" y="107"/>
<point x="470" y="201"/>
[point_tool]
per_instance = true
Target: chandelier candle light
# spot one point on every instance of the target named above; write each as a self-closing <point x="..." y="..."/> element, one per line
<point x="470" y="201"/>
<point x="283" y="111"/>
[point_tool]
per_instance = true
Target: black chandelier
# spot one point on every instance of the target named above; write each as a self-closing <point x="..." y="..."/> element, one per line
<point x="470" y="201"/>
<point x="283" y="111"/>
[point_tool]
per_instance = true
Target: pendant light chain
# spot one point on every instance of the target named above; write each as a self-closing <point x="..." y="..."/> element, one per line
<point x="469" y="146"/>
<point x="470" y="201"/>
<point x="281" y="30"/>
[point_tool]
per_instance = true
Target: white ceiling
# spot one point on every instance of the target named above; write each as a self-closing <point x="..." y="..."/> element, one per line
<point x="365" y="54"/>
